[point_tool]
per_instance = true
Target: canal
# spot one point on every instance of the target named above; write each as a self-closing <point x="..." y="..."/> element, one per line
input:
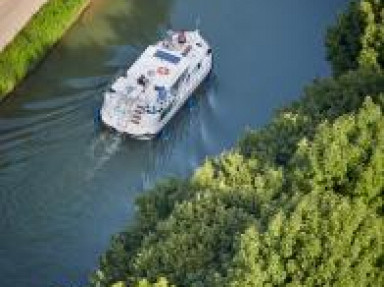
<point x="66" y="186"/>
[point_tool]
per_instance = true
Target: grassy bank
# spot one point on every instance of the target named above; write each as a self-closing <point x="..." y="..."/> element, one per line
<point x="31" y="45"/>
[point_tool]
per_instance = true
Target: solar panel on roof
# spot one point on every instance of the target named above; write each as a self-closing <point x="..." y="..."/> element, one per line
<point x="167" y="57"/>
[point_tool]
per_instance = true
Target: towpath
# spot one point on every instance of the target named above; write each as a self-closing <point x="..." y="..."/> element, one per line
<point x="14" y="14"/>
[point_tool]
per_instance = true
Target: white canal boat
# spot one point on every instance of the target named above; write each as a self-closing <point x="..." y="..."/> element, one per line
<point x="142" y="101"/>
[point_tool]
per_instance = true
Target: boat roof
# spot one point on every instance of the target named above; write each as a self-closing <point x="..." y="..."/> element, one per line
<point x="162" y="64"/>
<point x="156" y="59"/>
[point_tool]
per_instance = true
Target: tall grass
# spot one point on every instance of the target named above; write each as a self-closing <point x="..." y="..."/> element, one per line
<point x="31" y="45"/>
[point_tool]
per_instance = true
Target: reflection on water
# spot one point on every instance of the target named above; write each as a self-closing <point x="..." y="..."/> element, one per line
<point x="66" y="185"/>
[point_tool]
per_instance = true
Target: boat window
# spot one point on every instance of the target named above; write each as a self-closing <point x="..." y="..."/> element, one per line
<point x="150" y="109"/>
<point x="161" y="93"/>
<point x="167" y="57"/>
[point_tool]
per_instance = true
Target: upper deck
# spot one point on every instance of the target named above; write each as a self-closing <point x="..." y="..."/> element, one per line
<point x="162" y="64"/>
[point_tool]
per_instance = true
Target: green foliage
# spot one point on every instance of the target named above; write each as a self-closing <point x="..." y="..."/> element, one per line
<point x="31" y="45"/>
<point x="119" y="284"/>
<point x="193" y="243"/>
<point x="332" y="233"/>
<point x="357" y="40"/>
<point x="252" y="217"/>
<point x="162" y="282"/>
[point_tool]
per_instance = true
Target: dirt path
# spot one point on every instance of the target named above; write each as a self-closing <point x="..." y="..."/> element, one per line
<point x="14" y="14"/>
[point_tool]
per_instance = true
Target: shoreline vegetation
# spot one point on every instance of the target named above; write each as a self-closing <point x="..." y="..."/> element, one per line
<point x="35" y="40"/>
<point x="296" y="203"/>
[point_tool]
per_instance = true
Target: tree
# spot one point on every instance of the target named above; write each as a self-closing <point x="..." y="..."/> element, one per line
<point x="332" y="231"/>
<point x="357" y="40"/>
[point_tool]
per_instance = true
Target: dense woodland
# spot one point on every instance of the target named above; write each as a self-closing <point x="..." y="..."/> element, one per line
<point x="296" y="203"/>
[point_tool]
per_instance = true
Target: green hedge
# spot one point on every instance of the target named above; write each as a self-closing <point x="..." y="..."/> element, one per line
<point x="31" y="45"/>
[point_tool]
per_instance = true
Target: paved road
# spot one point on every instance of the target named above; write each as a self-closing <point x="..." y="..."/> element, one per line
<point x="14" y="14"/>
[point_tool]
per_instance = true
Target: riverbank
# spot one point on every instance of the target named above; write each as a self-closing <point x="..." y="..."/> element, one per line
<point x="33" y="42"/>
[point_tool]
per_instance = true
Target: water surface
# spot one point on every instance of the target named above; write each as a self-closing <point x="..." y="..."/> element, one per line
<point x="66" y="186"/>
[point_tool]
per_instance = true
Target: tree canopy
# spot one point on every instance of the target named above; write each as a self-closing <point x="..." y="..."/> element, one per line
<point x="357" y="40"/>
